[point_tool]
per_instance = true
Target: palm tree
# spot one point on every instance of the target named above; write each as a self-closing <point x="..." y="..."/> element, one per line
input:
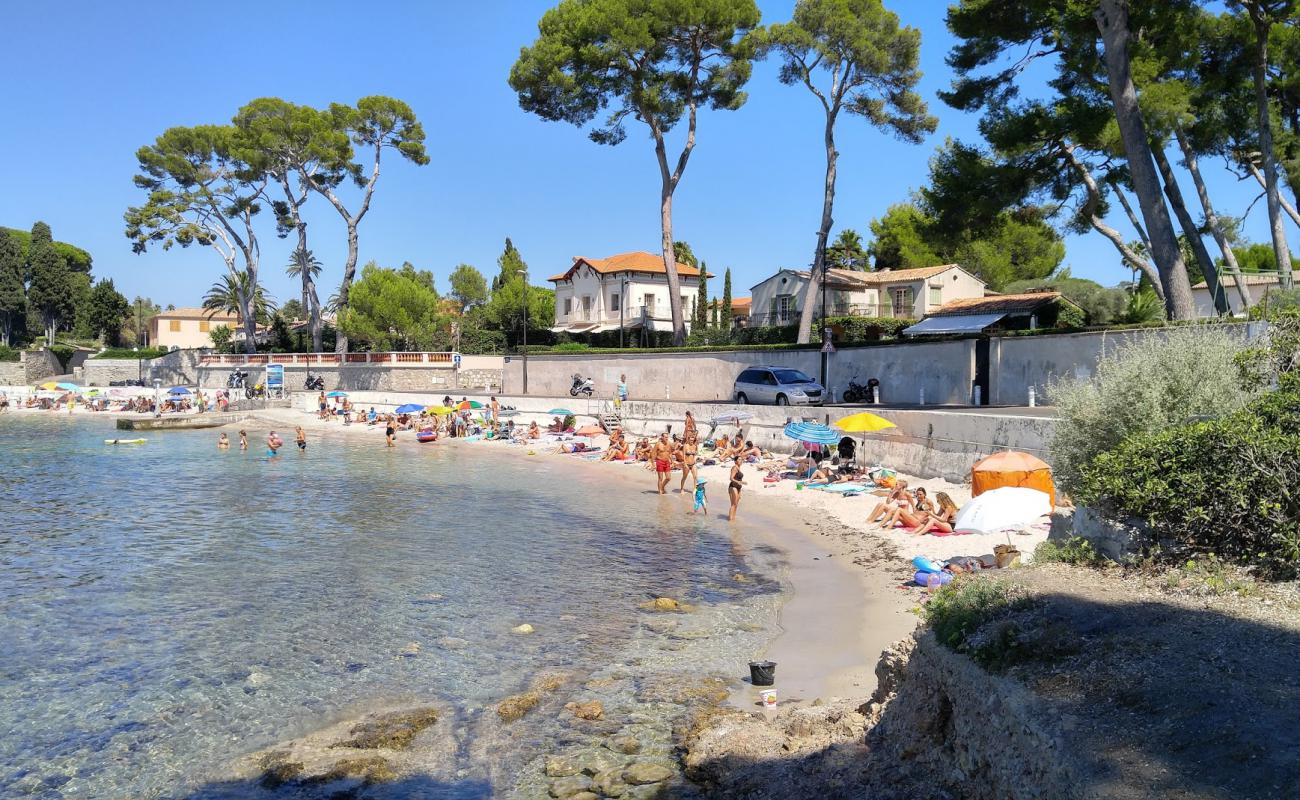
<point x="304" y="265"/>
<point x="847" y="252"/>
<point x="228" y="295"/>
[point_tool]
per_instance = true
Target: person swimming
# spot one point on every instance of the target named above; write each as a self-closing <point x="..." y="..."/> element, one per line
<point x="223" y="442"/>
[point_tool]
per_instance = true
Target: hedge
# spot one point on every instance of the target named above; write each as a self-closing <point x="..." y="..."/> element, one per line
<point x="1227" y="486"/>
<point x="128" y="353"/>
<point x="7" y="353"/>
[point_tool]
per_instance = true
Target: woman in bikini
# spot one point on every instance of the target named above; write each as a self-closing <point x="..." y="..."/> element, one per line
<point x="942" y="520"/>
<point x="689" y="454"/>
<point x="733" y="488"/>
<point x="897" y="498"/>
<point x="916" y="514"/>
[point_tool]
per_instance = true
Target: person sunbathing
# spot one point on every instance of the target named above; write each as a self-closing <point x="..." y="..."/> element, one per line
<point x="533" y="431"/>
<point x="642" y="452"/>
<point x="617" y="447"/>
<point x="821" y="475"/>
<point x="751" y="452"/>
<point x="941" y="521"/>
<point x="913" y="514"/>
<point x="885" y="509"/>
<point x="572" y="447"/>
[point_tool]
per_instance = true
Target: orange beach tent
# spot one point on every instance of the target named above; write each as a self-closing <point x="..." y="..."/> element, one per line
<point x="1010" y="468"/>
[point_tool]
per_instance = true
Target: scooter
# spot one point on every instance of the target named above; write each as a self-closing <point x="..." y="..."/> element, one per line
<point x="236" y="379"/>
<point x="315" y="382"/>
<point x="582" y="385"/>
<point x="858" y="393"/>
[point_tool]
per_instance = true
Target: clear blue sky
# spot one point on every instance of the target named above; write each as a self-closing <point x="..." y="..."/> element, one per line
<point x="87" y="86"/>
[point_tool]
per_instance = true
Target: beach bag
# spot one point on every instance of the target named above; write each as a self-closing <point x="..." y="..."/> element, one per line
<point x="1006" y="555"/>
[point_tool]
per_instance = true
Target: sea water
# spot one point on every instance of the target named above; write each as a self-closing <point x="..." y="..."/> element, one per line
<point x="168" y="608"/>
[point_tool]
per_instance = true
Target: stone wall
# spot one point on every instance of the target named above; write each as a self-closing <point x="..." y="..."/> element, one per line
<point x="177" y="368"/>
<point x="362" y="377"/>
<point x="40" y="365"/>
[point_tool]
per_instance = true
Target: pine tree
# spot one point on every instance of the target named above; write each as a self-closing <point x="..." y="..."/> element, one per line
<point x="510" y="264"/>
<point x="50" y="293"/>
<point x="724" y="314"/>
<point x="701" y="317"/>
<point x="13" y="299"/>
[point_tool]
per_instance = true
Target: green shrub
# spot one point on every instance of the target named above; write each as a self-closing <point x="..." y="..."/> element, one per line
<point x="1070" y="316"/>
<point x="865" y="329"/>
<point x="7" y="353"/>
<point x="126" y="352"/>
<point x="967" y="604"/>
<point x="1276" y="302"/>
<point x="1148" y="384"/>
<point x="63" y="353"/>
<point x="1075" y="550"/>
<point x="570" y="347"/>
<point x="1229" y="486"/>
<point x="769" y="334"/>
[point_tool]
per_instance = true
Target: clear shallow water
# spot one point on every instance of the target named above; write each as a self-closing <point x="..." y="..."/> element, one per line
<point x="166" y="609"/>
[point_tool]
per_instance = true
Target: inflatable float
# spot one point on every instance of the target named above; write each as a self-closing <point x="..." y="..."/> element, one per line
<point x="125" y="441"/>
<point x="424" y="437"/>
<point x="932" y="579"/>
<point x="924" y="564"/>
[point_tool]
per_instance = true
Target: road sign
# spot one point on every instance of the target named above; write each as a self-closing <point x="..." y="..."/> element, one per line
<point x="455" y="360"/>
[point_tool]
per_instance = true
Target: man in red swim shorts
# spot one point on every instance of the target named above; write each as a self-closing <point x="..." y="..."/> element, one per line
<point x="662" y="453"/>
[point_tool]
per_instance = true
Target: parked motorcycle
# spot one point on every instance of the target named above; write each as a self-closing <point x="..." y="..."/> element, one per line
<point x="237" y="379"/>
<point x="315" y="383"/>
<point x="860" y="393"/>
<point x="254" y="391"/>
<point x="582" y="385"/>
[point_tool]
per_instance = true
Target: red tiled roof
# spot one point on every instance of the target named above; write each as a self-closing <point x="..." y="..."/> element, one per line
<point x="639" y="261"/>
<point x="1002" y="303"/>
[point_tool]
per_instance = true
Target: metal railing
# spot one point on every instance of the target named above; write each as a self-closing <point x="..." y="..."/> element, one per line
<point x="226" y="359"/>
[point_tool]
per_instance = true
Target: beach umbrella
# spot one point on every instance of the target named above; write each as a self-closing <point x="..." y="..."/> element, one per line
<point x="866" y="422"/>
<point x="561" y="412"/>
<point x="1011" y="468"/>
<point x="812" y="433"/>
<point x="48" y="386"/>
<point x="69" y="387"/>
<point x="178" y="390"/>
<point x="441" y="410"/>
<point x="336" y="393"/>
<point x="590" y="430"/>
<point x="409" y="408"/>
<point x="465" y="405"/>
<point x="999" y="509"/>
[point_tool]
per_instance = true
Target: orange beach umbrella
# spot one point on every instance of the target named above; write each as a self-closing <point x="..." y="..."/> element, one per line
<point x="1012" y="468"/>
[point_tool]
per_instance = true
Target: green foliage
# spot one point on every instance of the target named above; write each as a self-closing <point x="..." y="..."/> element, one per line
<point x="724" y="312"/>
<point x="51" y="290"/>
<point x="106" y="309"/>
<point x="1075" y="550"/>
<point x="1210" y="575"/>
<point x="1276" y="302"/>
<point x="281" y="340"/>
<point x="510" y="265"/>
<point x="127" y="352"/>
<point x="78" y="260"/>
<point x="1143" y="306"/>
<point x="1256" y="257"/>
<point x="704" y="337"/>
<point x="142" y="309"/>
<point x="8" y="353"/>
<point x="866" y="329"/>
<point x="222" y="338"/>
<point x="506" y="308"/>
<point x="701" y="318"/>
<point x="957" y="611"/>
<point x="292" y="310"/>
<point x="683" y="254"/>
<point x="391" y="309"/>
<point x="1070" y="316"/>
<point x="1148" y="384"/>
<point x="900" y="239"/>
<point x="847" y="252"/>
<point x="230" y="294"/>
<point x="570" y="347"/>
<point x="13" y="292"/>
<point x="870" y="61"/>
<point x="1225" y="486"/>
<point x="63" y="353"/>
<point x="468" y="287"/>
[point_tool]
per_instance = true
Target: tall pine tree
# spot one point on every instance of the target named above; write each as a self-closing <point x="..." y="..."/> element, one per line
<point x="13" y="297"/>
<point x="701" y="317"/>
<point x="510" y="264"/>
<point x="50" y="293"/>
<point x="724" y="316"/>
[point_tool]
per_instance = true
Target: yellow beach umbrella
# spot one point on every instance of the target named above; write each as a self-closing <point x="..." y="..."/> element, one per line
<point x="865" y="422"/>
<point x="49" y="386"/>
<point x="441" y="410"/>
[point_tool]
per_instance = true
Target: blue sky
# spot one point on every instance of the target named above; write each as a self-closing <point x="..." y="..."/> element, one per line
<point x="86" y="87"/>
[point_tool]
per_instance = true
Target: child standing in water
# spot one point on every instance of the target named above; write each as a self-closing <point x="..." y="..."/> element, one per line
<point x="701" y="503"/>
<point x="301" y="439"/>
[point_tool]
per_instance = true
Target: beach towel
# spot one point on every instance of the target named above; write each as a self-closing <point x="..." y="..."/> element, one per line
<point x="838" y="488"/>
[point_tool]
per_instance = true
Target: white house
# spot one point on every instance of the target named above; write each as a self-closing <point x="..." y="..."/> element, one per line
<point x="899" y="293"/>
<point x="1257" y="285"/>
<point x="629" y="291"/>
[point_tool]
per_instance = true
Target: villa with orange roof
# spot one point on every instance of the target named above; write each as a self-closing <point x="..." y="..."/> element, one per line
<point x="898" y="293"/>
<point x="627" y="291"/>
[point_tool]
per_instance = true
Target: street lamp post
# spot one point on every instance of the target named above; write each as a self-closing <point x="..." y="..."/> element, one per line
<point x="525" y="337"/>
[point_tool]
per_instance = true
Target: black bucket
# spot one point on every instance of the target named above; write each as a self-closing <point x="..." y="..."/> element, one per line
<point x="762" y="673"/>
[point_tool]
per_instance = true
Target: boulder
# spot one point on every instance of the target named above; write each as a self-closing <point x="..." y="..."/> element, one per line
<point x="561" y="767"/>
<point x="564" y="788"/>
<point x="411" y="649"/>
<point x="641" y="773"/>
<point x="372" y="769"/>
<point x="516" y="706"/>
<point x="392" y="731"/>
<point x="610" y="782"/>
<point x="590" y="710"/>
<point x="628" y="745"/>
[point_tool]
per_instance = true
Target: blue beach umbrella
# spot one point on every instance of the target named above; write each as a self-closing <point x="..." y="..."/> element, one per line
<point x="71" y="387"/>
<point x="178" y="390"/>
<point x="336" y="393"/>
<point x="409" y="408"/>
<point x="812" y="432"/>
<point x="563" y="412"/>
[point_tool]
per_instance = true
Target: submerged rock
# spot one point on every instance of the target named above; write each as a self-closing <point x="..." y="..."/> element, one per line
<point x="561" y="767"/>
<point x="516" y="706"/>
<point x="644" y="772"/>
<point x="623" y="743"/>
<point x="525" y="628"/>
<point x="590" y="710"/>
<point x="610" y="783"/>
<point x="392" y="731"/>
<point x="564" y="788"/>
<point x="373" y="769"/>
<point x="411" y="649"/>
<point x="666" y="605"/>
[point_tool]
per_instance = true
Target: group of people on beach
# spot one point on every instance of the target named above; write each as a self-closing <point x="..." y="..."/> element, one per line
<point x="917" y="513"/>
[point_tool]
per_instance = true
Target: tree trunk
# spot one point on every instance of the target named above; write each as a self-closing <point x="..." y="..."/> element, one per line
<point x="310" y="299"/>
<point x="1112" y="21"/>
<point x="670" y="264"/>
<point x="1190" y="230"/>
<point x="1132" y="218"/>
<point x="248" y="310"/>
<point x="1212" y="219"/>
<point x="1286" y="204"/>
<point x="1281" y="250"/>
<point x="349" y="272"/>
<point x="817" y="276"/>
<point x="1094" y="200"/>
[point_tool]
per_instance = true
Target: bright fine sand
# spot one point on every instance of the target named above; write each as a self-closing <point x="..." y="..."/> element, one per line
<point x="851" y="594"/>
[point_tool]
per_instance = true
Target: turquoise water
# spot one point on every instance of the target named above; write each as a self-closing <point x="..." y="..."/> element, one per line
<point x="169" y="608"/>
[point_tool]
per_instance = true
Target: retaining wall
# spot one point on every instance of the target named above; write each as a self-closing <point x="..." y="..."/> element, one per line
<point x="363" y="377"/>
<point x="927" y="443"/>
